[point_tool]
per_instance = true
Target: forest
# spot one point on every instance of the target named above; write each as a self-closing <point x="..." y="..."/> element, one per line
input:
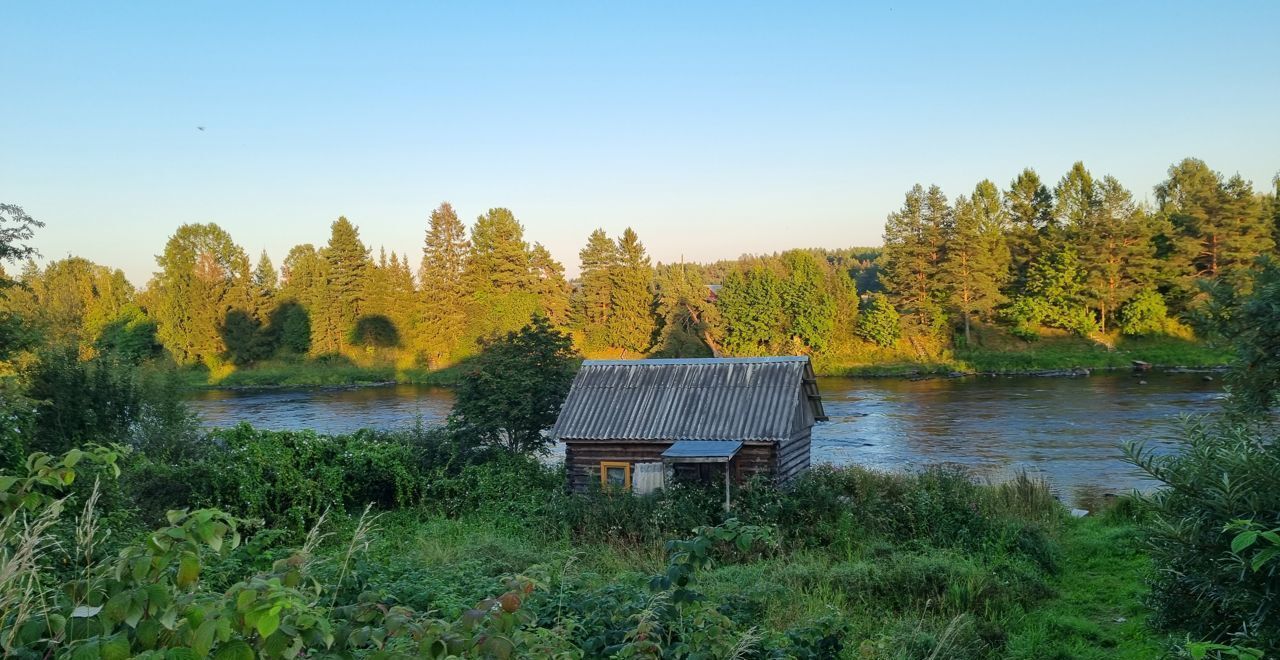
<point x="993" y="279"/>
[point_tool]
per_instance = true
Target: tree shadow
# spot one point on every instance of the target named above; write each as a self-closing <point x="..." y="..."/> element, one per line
<point x="375" y="331"/>
<point x="292" y="325"/>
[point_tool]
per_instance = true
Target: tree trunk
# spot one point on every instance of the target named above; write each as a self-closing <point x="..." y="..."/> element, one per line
<point x="967" y="341"/>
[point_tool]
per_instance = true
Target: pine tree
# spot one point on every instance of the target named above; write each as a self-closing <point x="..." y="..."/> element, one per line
<point x="594" y="300"/>
<point x="1117" y="252"/>
<point x="632" y="323"/>
<point x="553" y="289"/>
<point x="444" y="287"/>
<point x="977" y="255"/>
<point x="1247" y="229"/>
<point x="1075" y="208"/>
<point x="265" y="283"/>
<point x="913" y="255"/>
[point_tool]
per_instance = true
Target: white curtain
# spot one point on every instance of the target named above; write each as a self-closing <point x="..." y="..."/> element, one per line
<point x="646" y="478"/>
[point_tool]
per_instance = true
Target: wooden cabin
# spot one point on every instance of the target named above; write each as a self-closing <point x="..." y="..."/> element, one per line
<point x="636" y="424"/>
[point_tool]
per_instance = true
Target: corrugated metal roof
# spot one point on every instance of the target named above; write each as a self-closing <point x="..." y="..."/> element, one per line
<point x="703" y="449"/>
<point x="689" y="399"/>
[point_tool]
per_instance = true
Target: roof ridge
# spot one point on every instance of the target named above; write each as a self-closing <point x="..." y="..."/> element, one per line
<point x="695" y="361"/>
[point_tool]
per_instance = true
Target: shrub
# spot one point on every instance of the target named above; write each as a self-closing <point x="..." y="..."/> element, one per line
<point x="1144" y="314"/>
<point x="1223" y="473"/>
<point x="878" y="322"/>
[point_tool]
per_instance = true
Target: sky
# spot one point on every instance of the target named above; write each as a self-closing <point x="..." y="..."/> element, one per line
<point x="712" y="129"/>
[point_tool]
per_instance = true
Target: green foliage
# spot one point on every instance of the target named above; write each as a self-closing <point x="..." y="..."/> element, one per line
<point x="1223" y="474"/>
<point x="1144" y="314"/>
<point x="203" y="276"/>
<point x="878" y="322"/>
<point x="632" y="323"/>
<point x="514" y="388"/>
<point x="1249" y="318"/>
<point x="441" y="276"/>
<point x="79" y="401"/>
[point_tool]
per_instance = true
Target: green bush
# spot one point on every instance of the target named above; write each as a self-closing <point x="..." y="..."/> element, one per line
<point x="1223" y="473"/>
<point x="878" y="322"/>
<point x="1144" y="314"/>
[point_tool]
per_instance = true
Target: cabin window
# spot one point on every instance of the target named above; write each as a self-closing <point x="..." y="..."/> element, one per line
<point x="615" y="475"/>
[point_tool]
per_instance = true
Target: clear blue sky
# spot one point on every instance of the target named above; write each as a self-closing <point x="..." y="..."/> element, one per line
<point x="712" y="130"/>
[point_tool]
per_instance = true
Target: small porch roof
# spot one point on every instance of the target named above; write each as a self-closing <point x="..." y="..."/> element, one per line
<point x="702" y="451"/>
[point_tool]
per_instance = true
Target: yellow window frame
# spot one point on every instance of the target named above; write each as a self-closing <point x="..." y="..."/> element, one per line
<point x="604" y="473"/>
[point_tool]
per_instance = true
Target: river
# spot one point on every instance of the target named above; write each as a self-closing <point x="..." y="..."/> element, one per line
<point x="1067" y="430"/>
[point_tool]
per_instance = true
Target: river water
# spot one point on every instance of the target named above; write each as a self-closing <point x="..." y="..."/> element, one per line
<point x="1067" y="430"/>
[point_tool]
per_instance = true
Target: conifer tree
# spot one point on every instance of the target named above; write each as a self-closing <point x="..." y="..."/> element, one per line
<point x="201" y="279"/>
<point x="685" y="312"/>
<point x="444" y="287"/>
<point x="1075" y="208"/>
<point x="502" y="286"/>
<point x="879" y="322"/>
<point x="553" y="289"/>
<point x="913" y="255"/>
<point x="977" y="256"/>
<point x="347" y="267"/>
<point x="1029" y="207"/>
<point x="301" y="297"/>
<point x="594" y="300"/>
<point x="1118" y="251"/>
<point x="632" y="323"/>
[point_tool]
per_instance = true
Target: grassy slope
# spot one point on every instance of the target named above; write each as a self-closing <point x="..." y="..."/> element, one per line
<point x="450" y="563"/>
<point x="1097" y="612"/>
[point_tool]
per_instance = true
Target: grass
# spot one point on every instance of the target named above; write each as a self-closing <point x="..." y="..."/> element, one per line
<point x="1097" y="612"/>
<point x="901" y="598"/>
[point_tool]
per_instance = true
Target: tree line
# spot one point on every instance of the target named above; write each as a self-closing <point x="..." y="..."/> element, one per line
<point x="1083" y="256"/>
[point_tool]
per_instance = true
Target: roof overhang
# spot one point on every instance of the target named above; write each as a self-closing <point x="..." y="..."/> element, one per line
<point x="702" y="451"/>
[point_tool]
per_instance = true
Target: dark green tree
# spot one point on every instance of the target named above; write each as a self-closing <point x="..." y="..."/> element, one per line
<point x="632" y="324"/>
<point x="752" y="321"/>
<point x="594" y="300"/>
<point x="444" y="287"/>
<point x="1029" y="205"/>
<point x="302" y="294"/>
<point x="514" y="389"/>
<point x="502" y="284"/>
<point x="1118" y="252"/>
<point x="347" y="267"/>
<point x="685" y="312"/>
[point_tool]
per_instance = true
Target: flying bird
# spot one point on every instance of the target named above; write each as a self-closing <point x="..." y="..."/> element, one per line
<point x="200" y="128"/>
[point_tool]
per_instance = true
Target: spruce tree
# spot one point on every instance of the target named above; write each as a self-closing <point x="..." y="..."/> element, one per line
<point x="502" y="286"/>
<point x="685" y="312"/>
<point x="632" y="323"/>
<point x="552" y="288"/>
<point x="301" y="299"/>
<point x="594" y="300"/>
<point x="444" y="286"/>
